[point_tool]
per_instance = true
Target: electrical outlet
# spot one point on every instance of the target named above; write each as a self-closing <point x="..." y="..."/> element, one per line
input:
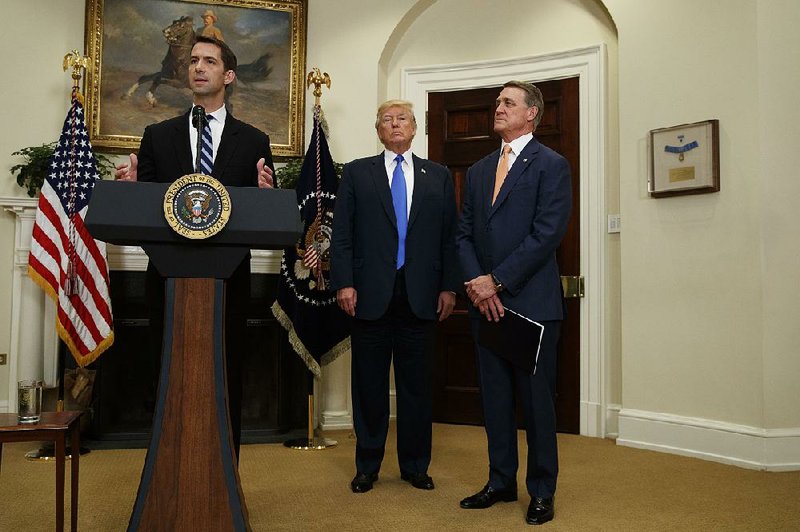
<point x="614" y="223"/>
<point x="3" y="359"/>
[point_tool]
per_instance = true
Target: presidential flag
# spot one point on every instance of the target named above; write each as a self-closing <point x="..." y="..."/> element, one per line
<point x="319" y="330"/>
<point x="65" y="260"/>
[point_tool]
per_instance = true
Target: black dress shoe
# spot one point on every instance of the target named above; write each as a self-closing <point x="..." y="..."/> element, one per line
<point x="487" y="497"/>
<point x="362" y="482"/>
<point x="539" y="511"/>
<point x="421" y="481"/>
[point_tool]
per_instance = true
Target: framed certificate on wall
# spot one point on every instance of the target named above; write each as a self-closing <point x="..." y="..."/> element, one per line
<point x="684" y="159"/>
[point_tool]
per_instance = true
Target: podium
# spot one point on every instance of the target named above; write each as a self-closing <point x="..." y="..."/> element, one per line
<point x="190" y="479"/>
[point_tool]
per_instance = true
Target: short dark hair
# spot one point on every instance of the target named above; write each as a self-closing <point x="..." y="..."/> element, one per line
<point x="228" y="57"/>
<point x="533" y="98"/>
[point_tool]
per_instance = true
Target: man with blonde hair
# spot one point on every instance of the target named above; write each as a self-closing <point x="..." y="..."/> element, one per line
<point x="394" y="269"/>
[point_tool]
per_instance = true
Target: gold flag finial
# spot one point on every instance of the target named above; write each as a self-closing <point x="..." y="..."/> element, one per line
<point x="318" y="79"/>
<point x="77" y="62"/>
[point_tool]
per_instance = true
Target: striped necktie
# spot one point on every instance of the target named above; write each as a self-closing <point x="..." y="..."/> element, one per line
<point x="207" y="149"/>
<point x="399" y="201"/>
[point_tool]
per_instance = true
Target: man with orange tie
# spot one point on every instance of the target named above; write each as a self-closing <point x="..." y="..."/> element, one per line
<point x="517" y="202"/>
<point x="394" y="269"/>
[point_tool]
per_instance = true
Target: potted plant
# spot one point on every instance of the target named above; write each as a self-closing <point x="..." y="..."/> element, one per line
<point x="288" y="175"/>
<point x="31" y="173"/>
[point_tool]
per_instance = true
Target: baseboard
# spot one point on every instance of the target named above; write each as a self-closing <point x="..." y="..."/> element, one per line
<point x="332" y="420"/>
<point x="727" y="443"/>
<point x="4" y="407"/>
<point x="612" y="421"/>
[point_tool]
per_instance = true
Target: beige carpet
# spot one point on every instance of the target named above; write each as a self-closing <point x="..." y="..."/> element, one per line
<point x="601" y="487"/>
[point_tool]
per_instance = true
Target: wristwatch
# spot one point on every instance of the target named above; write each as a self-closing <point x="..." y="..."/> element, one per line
<point x="498" y="286"/>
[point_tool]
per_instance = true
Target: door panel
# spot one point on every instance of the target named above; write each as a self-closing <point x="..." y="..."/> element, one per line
<point x="460" y="132"/>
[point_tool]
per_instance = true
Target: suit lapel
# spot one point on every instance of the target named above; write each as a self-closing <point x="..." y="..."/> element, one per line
<point x="381" y="182"/>
<point x="226" y="145"/>
<point x="421" y="183"/>
<point x="488" y="183"/>
<point x="523" y="160"/>
<point x="182" y="145"/>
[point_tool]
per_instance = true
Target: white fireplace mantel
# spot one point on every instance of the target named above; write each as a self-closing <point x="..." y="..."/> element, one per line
<point x="34" y="341"/>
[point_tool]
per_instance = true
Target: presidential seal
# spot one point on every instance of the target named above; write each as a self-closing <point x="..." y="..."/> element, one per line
<point x="197" y="206"/>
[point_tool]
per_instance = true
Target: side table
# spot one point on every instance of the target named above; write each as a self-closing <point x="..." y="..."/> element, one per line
<point x="53" y="426"/>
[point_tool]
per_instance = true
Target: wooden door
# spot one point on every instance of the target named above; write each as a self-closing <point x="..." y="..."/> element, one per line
<point x="460" y="132"/>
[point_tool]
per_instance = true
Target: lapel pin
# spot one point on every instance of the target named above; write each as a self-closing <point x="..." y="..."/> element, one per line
<point x="423" y="171"/>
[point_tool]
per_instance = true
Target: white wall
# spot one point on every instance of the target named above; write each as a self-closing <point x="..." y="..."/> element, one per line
<point x="348" y="47"/>
<point x="36" y="96"/>
<point x="692" y="278"/>
<point x="709" y="327"/>
<point x="779" y="192"/>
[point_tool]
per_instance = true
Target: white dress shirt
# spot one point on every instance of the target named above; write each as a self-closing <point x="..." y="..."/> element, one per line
<point x="516" y="147"/>
<point x="408" y="172"/>
<point x="216" y="125"/>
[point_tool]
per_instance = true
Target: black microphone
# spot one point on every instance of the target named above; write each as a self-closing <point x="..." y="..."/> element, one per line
<point x="198" y="121"/>
<point x="198" y="116"/>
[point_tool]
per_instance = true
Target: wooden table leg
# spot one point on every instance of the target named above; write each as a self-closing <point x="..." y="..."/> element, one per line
<point x="76" y="457"/>
<point x="60" y="444"/>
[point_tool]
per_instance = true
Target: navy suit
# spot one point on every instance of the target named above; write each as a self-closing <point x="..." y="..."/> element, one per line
<point x="165" y="154"/>
<point x="396" y="309"/>
<point x="516" y="240"/>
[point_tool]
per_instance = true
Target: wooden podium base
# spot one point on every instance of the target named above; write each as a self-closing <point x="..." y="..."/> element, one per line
<point x="190" y="479"/>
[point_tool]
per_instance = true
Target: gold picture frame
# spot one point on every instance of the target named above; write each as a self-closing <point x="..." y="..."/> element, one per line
<point x="130" y="47"/>
<point x="684" y="159"/>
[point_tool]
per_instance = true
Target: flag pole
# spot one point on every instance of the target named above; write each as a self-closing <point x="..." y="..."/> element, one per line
<point x="76" y="62"/>
<point x="316" y="78"/>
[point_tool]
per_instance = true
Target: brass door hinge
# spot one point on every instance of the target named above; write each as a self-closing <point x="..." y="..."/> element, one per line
<point x="572" y="285"/>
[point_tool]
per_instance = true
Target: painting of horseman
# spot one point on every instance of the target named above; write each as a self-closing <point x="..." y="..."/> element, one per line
<point x="145" y="52"/>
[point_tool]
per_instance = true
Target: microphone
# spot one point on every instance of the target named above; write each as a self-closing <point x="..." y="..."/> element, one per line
<point x="198" y="121"/>
<point x="198" y="116"/>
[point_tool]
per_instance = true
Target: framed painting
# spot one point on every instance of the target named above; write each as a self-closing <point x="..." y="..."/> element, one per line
<point x="139" y="53"/>
<point x="684" y="159"/>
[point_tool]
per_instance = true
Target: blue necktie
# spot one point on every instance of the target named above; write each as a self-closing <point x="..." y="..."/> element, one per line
<point x="399" y="202"/>
<point x="206" y="149"/>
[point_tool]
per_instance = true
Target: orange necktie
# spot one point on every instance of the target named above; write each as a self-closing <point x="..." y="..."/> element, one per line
<point x="502" y="171"/>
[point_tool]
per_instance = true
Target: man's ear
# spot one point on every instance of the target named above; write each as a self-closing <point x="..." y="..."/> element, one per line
<point x="230" y="75"/>
<point x="534" y="112"/>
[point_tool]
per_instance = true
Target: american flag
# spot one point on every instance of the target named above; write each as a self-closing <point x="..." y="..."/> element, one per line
<point x="65" y="260"/>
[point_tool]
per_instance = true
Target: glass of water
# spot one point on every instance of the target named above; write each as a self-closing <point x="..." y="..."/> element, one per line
<point x="29" y="401"/>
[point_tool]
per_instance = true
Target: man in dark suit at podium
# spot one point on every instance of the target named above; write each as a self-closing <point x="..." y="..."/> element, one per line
<point x="237" y="155"/>
<point x="394" y="269"/>
<point x="516" y="208"/>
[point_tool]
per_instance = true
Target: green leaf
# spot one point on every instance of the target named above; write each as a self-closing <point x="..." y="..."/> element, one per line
<point x="31" y="173"/>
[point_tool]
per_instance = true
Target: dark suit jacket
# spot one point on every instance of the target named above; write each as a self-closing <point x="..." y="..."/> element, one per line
<point x="517" y="237"/>
<point x="364" y="241"/>
<point x="165" y="153"/>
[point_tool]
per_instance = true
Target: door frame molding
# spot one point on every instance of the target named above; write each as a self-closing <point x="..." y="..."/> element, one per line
<point x="588" y="64"/>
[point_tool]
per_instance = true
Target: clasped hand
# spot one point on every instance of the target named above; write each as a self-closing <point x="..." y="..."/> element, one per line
<point x="483" y="295"/>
